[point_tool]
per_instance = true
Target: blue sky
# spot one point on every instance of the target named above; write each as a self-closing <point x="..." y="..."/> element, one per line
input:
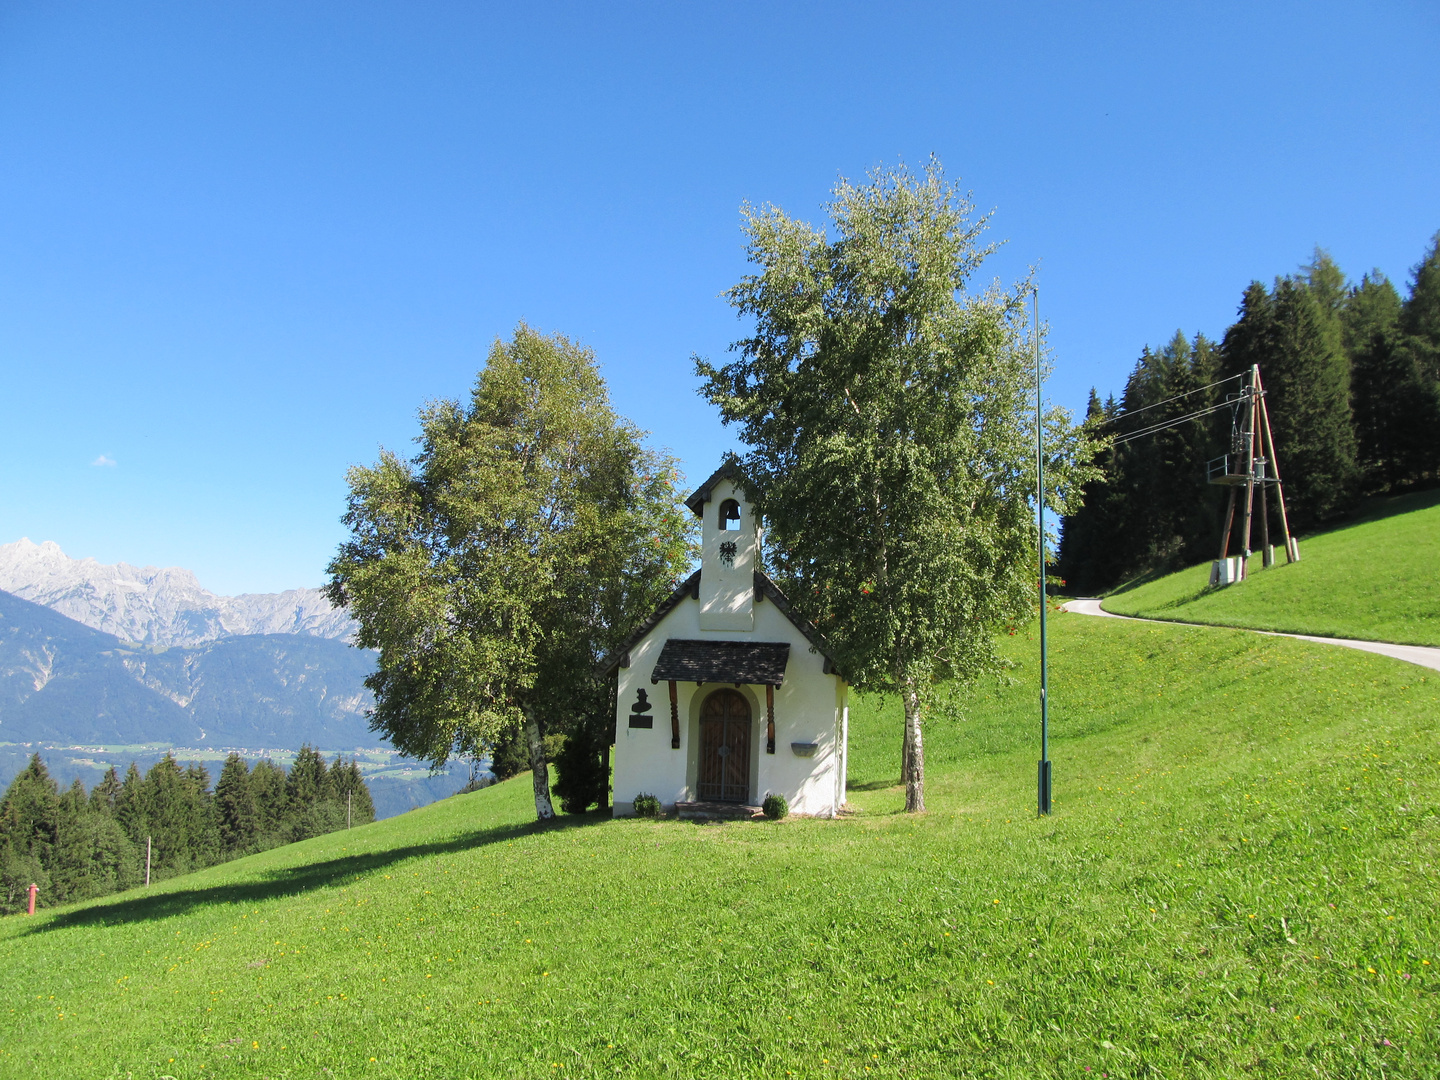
<point x="241" y="244"/>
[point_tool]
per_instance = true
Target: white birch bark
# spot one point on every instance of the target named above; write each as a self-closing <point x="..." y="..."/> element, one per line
<point x="915" y="756"/>
<point x="539" y="768"/>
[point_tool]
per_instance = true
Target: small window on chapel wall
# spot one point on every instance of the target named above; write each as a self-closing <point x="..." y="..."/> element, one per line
<point x="730" y="516"/>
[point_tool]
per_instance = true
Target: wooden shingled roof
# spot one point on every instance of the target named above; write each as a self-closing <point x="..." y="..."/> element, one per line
<point x="754" y="663"/>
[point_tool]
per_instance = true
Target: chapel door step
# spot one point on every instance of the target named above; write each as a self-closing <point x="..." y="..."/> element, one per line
<point x="718" y="811"/>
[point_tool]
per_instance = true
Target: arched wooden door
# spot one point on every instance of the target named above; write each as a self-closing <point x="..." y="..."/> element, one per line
<point x="725" y="747"/>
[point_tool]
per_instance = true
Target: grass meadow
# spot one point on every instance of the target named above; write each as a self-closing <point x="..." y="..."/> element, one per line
<point x="1376" y="578"/>
<point x="1239" y="878"/>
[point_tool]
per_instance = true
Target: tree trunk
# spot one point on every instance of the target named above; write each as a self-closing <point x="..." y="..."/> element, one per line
<point x="539" y="768"/>
<point x="915" y="755"/>
<point x="905" y="752"/>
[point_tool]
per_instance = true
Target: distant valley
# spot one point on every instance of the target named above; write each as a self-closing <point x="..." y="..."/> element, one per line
<point x="193" y="671"/>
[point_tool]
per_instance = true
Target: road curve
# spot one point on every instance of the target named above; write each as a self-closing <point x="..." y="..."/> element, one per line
<point x="1423" y="655"/>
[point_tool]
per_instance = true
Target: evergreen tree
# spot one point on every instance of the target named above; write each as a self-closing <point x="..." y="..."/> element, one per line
<point x="267" y="787"/>
<point x="305" y="786"/>
<point x="1379" y="372"/>
<point x="29" y="813"/>
<point x="1090" y="557"/>
<point x="1421" y="317"/>
<point x="1171" y="505"/>
<point x="130" y="809"/>
<point x="1151" y="508"/>
<point x="1420" y="348"/>
<point x="204" y="826"/>
<point x="179" y="820"/>
<point x="309" y="811"/>
<point x="237" y="817"/>
<point x="71" y="863"/>
<point x="105" y="795"/>
<point x="29" y="809"/>
<point x="345" y="782"/>
<point x="509" y="754"/>
<point x="116" y="864"/>
<point x="582" y="779"/>
<point x="1295" y="337"/>
<point x="1326" y="282"/>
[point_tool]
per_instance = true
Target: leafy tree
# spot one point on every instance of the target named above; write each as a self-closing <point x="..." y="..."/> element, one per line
<point x="892" y="444"/>
<point x="493" y="569"/>
<point x="237" y="817"/>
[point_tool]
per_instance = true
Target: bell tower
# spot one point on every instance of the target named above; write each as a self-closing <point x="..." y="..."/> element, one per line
<point x="730" y="552"/>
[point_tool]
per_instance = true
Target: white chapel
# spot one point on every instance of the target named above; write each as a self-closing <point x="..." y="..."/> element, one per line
<point x="724" y="694"/>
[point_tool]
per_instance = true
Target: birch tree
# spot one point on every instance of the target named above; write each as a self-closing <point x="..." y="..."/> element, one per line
<point x="493" y="569"/>
<point x="889" y="417"/>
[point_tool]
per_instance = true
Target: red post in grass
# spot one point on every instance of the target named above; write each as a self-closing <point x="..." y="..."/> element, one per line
<point x="33" y="890"/>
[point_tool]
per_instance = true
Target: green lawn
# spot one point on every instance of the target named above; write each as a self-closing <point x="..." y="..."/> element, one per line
<point x="1377" y="579"/>
<point x="1239" y="879"/>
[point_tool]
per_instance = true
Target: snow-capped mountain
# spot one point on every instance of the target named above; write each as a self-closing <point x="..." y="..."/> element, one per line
<point x="154" y="606"/>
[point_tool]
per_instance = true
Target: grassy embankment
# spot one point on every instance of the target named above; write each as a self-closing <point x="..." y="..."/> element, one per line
<point x="1377" y="579"/>
<point x="1240" y="877"/>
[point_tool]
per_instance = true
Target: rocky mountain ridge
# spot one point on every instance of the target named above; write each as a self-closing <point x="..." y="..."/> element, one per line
<point x="61" y="681"/>
<point x="157" y="606"/>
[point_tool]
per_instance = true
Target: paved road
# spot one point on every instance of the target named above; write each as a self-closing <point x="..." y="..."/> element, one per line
<point x="1423" y="655"/>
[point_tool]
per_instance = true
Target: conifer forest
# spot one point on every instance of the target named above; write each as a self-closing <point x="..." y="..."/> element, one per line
<point x="1351" y="372"/>
<point x="76" y="845"/>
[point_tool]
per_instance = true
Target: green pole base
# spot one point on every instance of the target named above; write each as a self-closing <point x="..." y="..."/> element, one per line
<point x="1044" y="786"/>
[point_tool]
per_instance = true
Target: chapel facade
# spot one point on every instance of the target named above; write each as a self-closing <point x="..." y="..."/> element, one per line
<point x="725" y="695"/>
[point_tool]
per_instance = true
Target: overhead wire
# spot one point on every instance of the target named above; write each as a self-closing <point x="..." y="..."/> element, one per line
<point x="1155" y="405"/>
<point x="1173" y="422"/>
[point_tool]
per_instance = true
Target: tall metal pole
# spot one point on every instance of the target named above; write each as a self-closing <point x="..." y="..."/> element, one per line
<point x="1043" y="780"/>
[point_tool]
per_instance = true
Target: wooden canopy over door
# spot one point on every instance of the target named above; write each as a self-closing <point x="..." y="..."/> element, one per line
<point x="725" y="747"/>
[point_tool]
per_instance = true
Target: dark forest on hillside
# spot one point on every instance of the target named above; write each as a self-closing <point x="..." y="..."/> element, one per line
<point x="76" y="845"/>
<point x="1352" y="380"/>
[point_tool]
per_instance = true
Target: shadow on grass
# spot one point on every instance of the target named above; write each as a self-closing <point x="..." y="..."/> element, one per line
<point x="295" y="880"/>
<point x="874" y="785"/>
<point x="1379" y="507"/>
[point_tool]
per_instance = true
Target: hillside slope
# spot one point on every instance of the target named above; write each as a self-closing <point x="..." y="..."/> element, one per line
<point x="1376" y="579"/>
<point x="1239" y="878"/>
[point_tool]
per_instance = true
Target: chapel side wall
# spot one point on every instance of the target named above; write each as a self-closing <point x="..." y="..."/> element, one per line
<point x="805" y="712"/>
<point x="643" y="758"/>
